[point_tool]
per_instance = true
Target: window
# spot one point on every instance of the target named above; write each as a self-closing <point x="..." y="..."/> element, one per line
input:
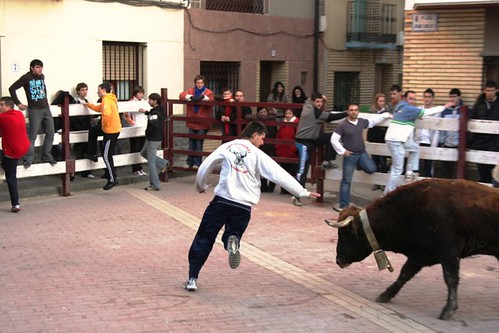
<point x="123" y="66"/>
<point x="221" y="75"/>
<point x="346" y="89"/>
<point x="241" y="6"/>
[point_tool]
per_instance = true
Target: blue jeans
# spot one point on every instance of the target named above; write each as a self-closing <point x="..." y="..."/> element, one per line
<point x="397" y="151"/>
<point x="349" y="165"/>
<point x="195" y="145"/>
<point x="154" y="162"/>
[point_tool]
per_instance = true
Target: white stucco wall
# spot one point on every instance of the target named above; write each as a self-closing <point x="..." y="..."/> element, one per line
<point x="67" y="36"/>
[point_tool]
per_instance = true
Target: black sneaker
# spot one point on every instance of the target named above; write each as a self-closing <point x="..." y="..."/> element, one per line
<point x="109" y="186"/>
<point x="93" y="158"/>
<point x="233" y="249"/>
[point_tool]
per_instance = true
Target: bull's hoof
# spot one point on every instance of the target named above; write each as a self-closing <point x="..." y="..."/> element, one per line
<point x="384" y="298"/>
<point x="447" y="313"/>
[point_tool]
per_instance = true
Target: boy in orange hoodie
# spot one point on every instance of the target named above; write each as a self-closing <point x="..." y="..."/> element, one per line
<point x="111" y="127"/>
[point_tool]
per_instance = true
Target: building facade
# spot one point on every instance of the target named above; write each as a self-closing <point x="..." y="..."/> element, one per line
<point x="250" y="45"/>
<point x="363" y="49"/>
<point x="93" y="41"/>
<point x="451" y="44"/>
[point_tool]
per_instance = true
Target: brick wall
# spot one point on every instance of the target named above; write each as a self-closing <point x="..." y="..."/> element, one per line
<point x="448" y="58"/>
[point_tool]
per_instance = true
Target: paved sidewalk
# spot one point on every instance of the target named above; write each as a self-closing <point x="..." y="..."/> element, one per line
<point x="115" y="261"/>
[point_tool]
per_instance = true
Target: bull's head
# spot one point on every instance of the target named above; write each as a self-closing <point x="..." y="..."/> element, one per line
<point x="352" y="242"/>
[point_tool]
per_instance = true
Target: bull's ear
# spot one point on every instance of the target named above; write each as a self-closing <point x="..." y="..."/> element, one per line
<point x="339" y="224"/>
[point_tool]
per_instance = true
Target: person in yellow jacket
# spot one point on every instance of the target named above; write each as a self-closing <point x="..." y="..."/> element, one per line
<point x="110" y="130"/>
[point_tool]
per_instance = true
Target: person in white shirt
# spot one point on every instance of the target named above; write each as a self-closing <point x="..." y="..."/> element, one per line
<point x="242" y="163"/>
<point x="400" y="138"/>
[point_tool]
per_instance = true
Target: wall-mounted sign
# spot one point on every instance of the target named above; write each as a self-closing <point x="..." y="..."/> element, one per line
<point x="425" y="22"/>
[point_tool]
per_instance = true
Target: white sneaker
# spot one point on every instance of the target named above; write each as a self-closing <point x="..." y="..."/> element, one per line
<point x="296" y="201"/>
<point x="411" y="177"/>
<point x="143" y="173"/>
<point x="191" y="284"/>
<point x="338" y="208"/>
<point x="233" y="248"/>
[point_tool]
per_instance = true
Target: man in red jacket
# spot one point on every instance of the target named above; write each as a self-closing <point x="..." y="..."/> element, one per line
<point x="15" y="144"/>
<point x="196" y="94"/>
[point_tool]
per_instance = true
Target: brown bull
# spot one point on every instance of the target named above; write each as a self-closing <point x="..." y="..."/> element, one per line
<point x="432" y="221"/>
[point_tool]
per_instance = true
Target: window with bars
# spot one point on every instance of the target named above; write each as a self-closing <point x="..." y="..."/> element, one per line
<point x="221" y="75"/>
<point x="371" y="21"/>
<point x="123" y="66"/>
<point x="346" y="89"/>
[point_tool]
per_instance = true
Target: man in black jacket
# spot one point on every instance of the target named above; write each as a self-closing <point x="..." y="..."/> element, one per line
<point x="486" y="108"/>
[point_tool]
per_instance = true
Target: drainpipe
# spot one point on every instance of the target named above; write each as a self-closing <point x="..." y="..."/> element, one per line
<point x="316" y="46"/>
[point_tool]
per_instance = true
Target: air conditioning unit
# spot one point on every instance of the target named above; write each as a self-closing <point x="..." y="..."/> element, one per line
<point x="400" y="38"/>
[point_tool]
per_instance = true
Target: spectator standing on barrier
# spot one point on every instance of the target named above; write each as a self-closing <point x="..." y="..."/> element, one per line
<point x="242" y="163"/>
<point x="110" y="130"/>
<point x="154" y="137"/>
<point x="82" y="123"/>
<point x="298" y="96"/>
<point x="427" y="137"/>
<point x="400" y="138"/>
<point x="377" y="135"/>
<point x="15" y="145"/>
<point x="195" y="94"/>
<point x="395" y="97"/>
<point x="309" y="136"/>
<point x="278" y="95"/>
<point x="287" y="150"/>
<point x="486" y="108"/>
<point x="38" y="109"/>
<point x="136" y="143"/>
<point x="352" y="147"/>
<point x="450" y="139"/>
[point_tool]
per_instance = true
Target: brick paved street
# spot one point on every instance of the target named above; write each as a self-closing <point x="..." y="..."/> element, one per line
<point x="115" y="261"/>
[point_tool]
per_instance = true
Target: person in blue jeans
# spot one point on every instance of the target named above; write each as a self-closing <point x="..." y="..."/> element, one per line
<point x="154" y="137"/>
<point x="348" y="141"/>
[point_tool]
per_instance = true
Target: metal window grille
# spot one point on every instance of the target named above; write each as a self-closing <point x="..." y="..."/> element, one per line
<point x="221" y="75"/>
<point x="241" y="6"/>
<point x="346" y="89"/>
<point x="371" y="21"/>
<point x="123" y="66"/>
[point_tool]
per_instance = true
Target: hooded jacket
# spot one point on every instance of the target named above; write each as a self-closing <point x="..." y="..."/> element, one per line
<point x="108" y="108"/>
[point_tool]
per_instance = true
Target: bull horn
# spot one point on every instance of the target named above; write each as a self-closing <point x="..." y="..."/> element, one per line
<point x="340" y="224"/>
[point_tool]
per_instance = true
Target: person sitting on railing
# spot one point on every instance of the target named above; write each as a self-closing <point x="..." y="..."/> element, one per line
<point x="350" y="133"/>
<point x="309" y="136"/>
<point x="136" y="143"/>
<point x="15" y="145"/>
<point x="82" y="123"/>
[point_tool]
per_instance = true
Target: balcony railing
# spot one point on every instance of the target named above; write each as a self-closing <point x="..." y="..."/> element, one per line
<point x="240" y="6"/>
<point x="371" y="23"/>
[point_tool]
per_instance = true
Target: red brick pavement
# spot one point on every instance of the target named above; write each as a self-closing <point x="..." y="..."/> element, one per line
<point x="114" y="261"/>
